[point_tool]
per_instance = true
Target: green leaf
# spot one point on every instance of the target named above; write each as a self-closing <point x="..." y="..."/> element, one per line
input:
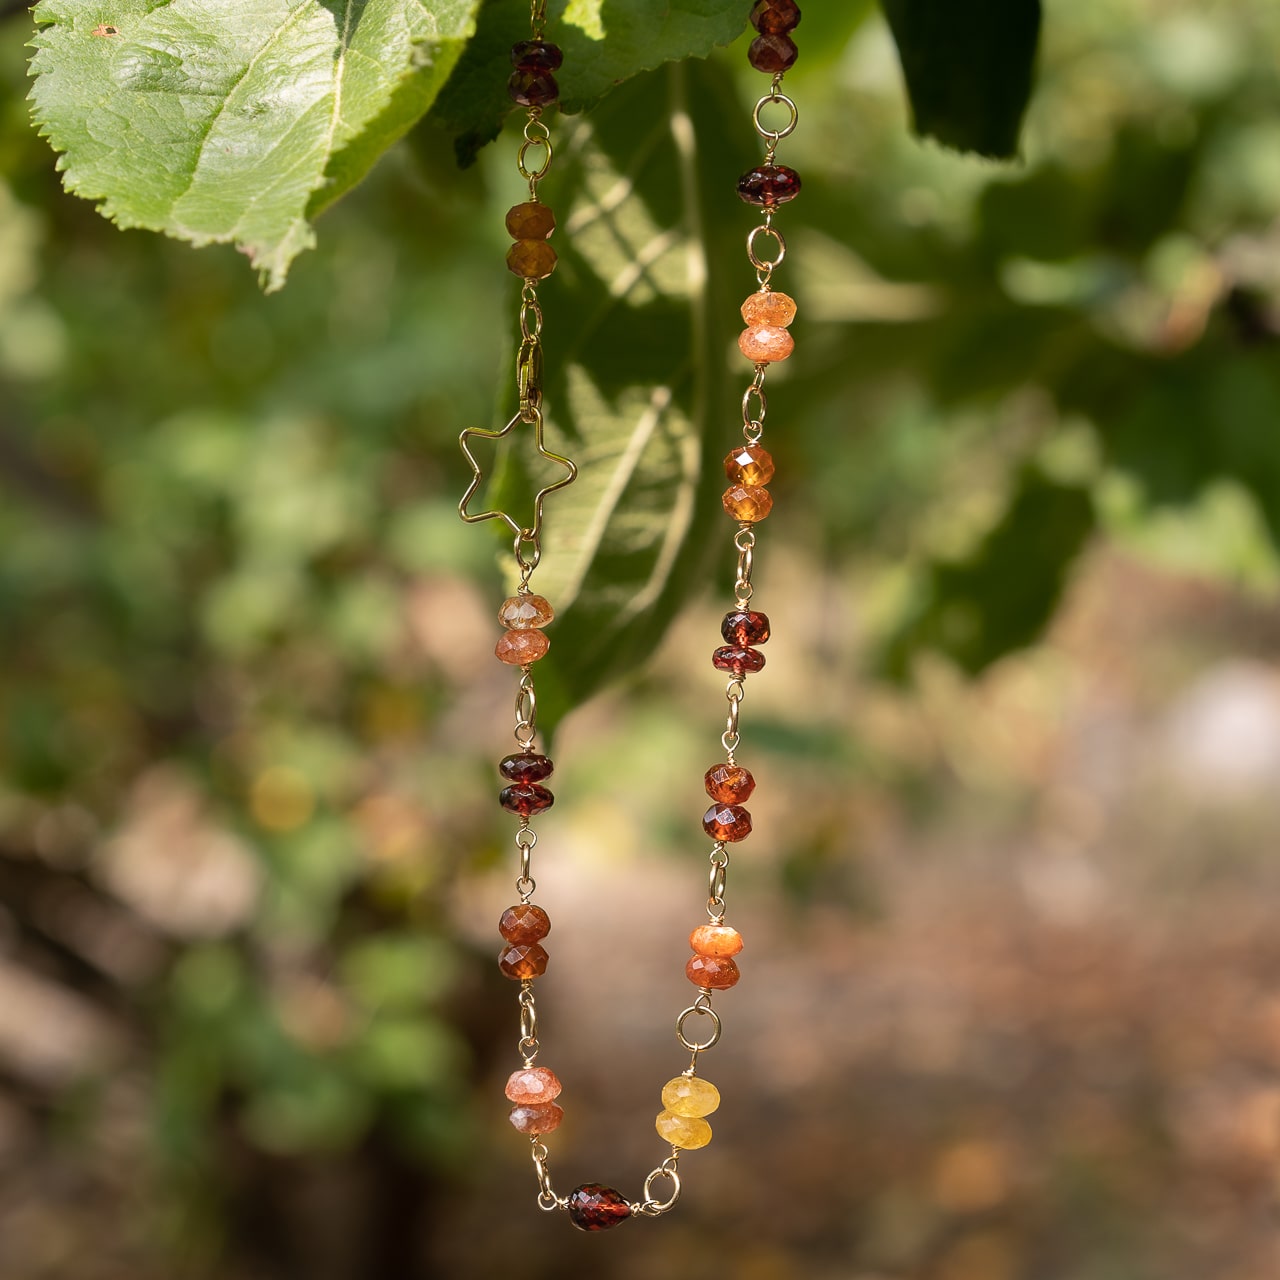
<point x="968" y="67"/>
<point x="603" y="44"/>
<point x="235" y="120"/>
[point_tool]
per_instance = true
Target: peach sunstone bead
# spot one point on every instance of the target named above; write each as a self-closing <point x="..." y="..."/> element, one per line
<point x="766" y="343"/>
<point x="542" y="1117"/>
<point x="531" y="1086"/>
<point x="719" y="940"/>
<point x="768" y="307"/>
<point x="526" y="613"/>
<point x="519" y="647"/>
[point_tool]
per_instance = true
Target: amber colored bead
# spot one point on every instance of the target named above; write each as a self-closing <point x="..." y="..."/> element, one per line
<point x="720" y="940"/>
<point x="523" y="960"/>
<point x="542" y="1117"/>
<point x="528" y="766"/>
<point x="537" y="88"/>
<point x="766" y="343"/>
<point x="747" y="503"/>
<point x="519" y="647"/>
<point x="769" y="307"/>
<point x="727" y="822"/>
<point x="540" y="55"/>
<point x="593" y="1207"/>
<point x="772" y="53"/>
<point x="686" y="1132"/>
<point x="532" y="1086"/>
<point x="531" y="259"/>
<point x="525" y="923"/>
<point x="775" y="17"/>
<point x="525" y="798"/>
<point x="745" y="626"/>
<point x="716" y="973"/>
<point x="532" y="220"/>
<point x="739" y="661"/>
<point x="730" y="784"/>
<point x="768" y="185"/>
<point x="690" y="1096"/>
<point x="524" y="613"/>
<point x="749" y="465"/>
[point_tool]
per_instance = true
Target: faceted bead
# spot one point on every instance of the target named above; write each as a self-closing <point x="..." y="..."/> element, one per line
<point x="523" y="960"/>
<point x="528" y="766"/>
<point x="531" y="259"/>
<point x="525" y="923"/>
<point x="749" y="465"/>
<point x="687" y="1132"/>
<point x="519" y="647"/>
<point x="775" y="17"/>
<point x="746" y="503"/>
<point x="539" y="1118"/>
<point x="732" y="658"/>
<point x="525" y="798"/>
<point x="766" y="343"/>
<point x="537" y="88"/>
<point x="718" y="973"/>
<point x="593" y="1207"/>
<point x="769" y="307"/>
<point x="541" y="55"/>
<point x="532" y="220"/>
<point x="745" y="626"/>
<point x="730" y="784"/>
<point x="770" y="54"/>
<point x="768" y="185"/>
<point x="532" y="1086"/>
<point x="727" y="822"/>
<point x="719" y="940"/>
<point x="690" y="1096"/>
<point x="521" y="613"/>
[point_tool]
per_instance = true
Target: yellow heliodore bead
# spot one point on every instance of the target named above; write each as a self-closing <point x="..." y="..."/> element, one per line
<point x="689" y="1096"/>
<point x="687" y="1132"/>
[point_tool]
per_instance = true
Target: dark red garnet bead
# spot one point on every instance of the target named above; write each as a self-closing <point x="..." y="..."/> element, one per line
<point x="525" y="798"/>
<point x="772" y="53"/>
<point x="541" y="55"/>
<point x="743" y="627"/>
<point x="528" y="766"/>
<point x="532" y="88"/>
<point x="739" y="661"/>
<point x="769" y="185"/>
<point x="593" y="1207"/>
<point x="775" y="17"/>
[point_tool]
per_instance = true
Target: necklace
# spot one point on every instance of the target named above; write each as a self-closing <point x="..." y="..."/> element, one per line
<point x="688" y="1098"/>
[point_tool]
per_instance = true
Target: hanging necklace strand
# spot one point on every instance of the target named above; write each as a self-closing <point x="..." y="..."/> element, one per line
<point x="687" y="1099"/>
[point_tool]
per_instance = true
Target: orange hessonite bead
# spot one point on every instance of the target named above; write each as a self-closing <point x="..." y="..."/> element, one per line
<point x="523" y="960"/>
<point x="717" y="973"/>
<point x="532" y="1086"/>
<point x="524" y="923"/>
<point x="532" y="220"/>
<point x="719" y="940"/>
<point x="727" y="822"/>
<point x="749" y="465"/>
<point x="540" y="1118"/>
<point x="729" y="783"/>
<point x="747" y="503"/>
<point x="765" y="343"/>
<point x="524" y="613"/>
<point x="531" y="259"/>
<point x="767" y="307"/>
<point x="518" y="647"/>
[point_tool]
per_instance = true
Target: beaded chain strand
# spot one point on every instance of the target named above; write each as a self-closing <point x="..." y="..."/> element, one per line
<point x="533" y="1090"/>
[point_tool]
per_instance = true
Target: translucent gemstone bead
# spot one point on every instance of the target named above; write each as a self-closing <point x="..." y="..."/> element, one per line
<point x="768" y="185"/>
<point x="521" y="613"/>
<point x="525" y="798"/>
<point x="537" y="88"/>
<point x="745" y="626"/>
<point x="543" y="1117"/>
<point x="690" y="1096"/>
<point x="532" y="220"/>
<point x="531" y="259"/>
<point x="737" y="660"/>
<point x="774" y="17"/>
<point x="523" y="960"/>
<point x="541" y="55"/>
<point x="686" y="1132"/>
<point x="727" y="822"/>
<point x="528" y="766"/>
<point x="532" y="1086"/>
<point x="730" y="784"/>
<point x="769" y="307"/>
<point x="746" y="503"/>
<point x="720" y="940"/>
<point x="593" y="1207"/>
<point x="718" y="973"/>
<point x="766" y="343"/>
<point x="525" y="923"/>
<point x="519" y="647"/>
<point x="771" y="53"/>
<point x="749" y="465"/>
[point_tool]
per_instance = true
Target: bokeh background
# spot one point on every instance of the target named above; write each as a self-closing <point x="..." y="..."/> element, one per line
<point x="1011" y="995"/>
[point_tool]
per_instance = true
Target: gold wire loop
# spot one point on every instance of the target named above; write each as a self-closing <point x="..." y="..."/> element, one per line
<point x="526" y="705"/>
<point x="716" y="879"/>
<point x="793" y="115"/>
<point x="766" y="264"/>
<point x="525" y="887"/>
<point x="529" y="307"/>
<point x="535" y="143"/>
<point x="703" y="1011"/>
<point x="650" y="1207"/>
<point x="753" y="415"/>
